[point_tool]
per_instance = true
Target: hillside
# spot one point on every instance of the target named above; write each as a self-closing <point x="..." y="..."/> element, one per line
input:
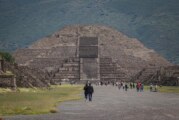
<point x="154" y="22"/>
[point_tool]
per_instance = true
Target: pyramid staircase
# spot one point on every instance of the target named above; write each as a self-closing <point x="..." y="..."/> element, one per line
<point x="147" y="75"/>
<point x="109" y="70"/>
<point x="68" y="72"/>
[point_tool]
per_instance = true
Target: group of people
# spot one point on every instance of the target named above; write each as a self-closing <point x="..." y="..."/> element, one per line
<point x="122" y="85"/>
<point x="139" y="87"/>
<point x="88" y="91"/>
<point x="88" y="88"/>
<point x="125" y="86"/>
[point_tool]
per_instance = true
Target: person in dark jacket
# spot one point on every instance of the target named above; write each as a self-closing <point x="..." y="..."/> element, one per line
<point x="90" y="91"/>
<point x="86" y="91"/>
<point x="126" y="86"/>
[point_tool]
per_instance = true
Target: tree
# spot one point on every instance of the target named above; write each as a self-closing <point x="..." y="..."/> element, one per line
<point x="7" y="57"/>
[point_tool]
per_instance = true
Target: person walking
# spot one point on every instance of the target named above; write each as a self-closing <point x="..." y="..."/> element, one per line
<point x="123" y="86"/>
<point x="137" y="87"/>
<point x="151" y="87"/>
<point x="126" y="86"/>
<point x="142" y="87"/>
<point x="119" y="86"/>
<point x="130" y="85"/>
<point x="90" y="91"/>
<point x="156" y="88"/>
<point x="86" y="91"/>
<point x="133" y="85"/>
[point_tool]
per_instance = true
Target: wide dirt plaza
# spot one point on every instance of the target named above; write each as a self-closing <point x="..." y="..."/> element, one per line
<point x="109" y="103"/>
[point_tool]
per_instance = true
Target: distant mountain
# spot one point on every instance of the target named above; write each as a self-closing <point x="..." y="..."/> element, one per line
<point x="154" y="22"/>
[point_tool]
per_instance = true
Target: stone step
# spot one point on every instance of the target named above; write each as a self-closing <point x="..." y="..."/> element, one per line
<point x="107" y="63"/>
<point x="67" y="72"/>
<point x="107" y="71"/>
<point x="43" y="66"/>
<point x="104" y="67"/>
<point x="67" y="77"/>
<point x="73" y="60"/>
<point x="105" y="77"/>
<point x="111" y="72"/>
<point x="70" y="65"/>
<point x="114" y="75"/>
<point x="107" y="68"/>
<point x="69" y="69"/>
<point x="109" y="75"/>
<point x="62" y="79"/>
<point x="110" y="79"/>
<point x="105" y="59"/>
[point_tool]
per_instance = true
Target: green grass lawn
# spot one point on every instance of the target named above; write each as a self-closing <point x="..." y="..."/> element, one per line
<point x="36" y="100"/>
<point x="166" y="89"/>
<point x="169" y="89"/>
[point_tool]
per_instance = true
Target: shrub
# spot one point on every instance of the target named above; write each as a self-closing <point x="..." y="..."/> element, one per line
<point x="7" y="57"/>
<point x="53" y="110"/>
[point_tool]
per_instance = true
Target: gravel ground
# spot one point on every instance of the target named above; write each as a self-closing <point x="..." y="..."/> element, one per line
<point x="109" y="103"/>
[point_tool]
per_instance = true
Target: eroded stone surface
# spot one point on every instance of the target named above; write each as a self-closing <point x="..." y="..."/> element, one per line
<point x="124" y="56"/>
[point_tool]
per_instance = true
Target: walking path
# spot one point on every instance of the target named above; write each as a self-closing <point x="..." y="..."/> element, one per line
<point x="111" y="104"/>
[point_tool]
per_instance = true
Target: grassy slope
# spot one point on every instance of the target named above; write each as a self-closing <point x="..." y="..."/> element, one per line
<point x="166" y="89"/>
<point x="36" y="101"/>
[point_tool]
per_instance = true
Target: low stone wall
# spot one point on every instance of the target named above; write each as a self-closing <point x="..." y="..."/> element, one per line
<point x="7" y="81"/>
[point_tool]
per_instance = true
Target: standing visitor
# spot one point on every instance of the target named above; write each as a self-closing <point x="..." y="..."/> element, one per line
<point x="123" y="85"/>
<point x="119" y="86"/>
<point x="156" y="88"/>
<point x="151" y="87"/>
<point x="101" y="83"/>
<point x="137" y="87"/>
<point x="90" y="91"/>
<point x="126" y="86"/>
<point x="142" y="87"/>
<point x="86" y="91"/>
<point x="130" y="85"/>
<point x="133" y="85"/>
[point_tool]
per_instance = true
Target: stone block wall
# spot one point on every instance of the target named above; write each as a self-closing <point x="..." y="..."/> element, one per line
<point x="8" y="81"/>
<point x="109" y="71"/>
<point x="69" y="71"/>
<point x="42" y="63"/>
<point x="89" y="69"/>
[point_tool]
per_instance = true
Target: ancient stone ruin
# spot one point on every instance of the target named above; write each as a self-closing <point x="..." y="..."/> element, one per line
<point x="7" y="79"/>
<point x="94" y="53"/>
<point x="169" y="75"/>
